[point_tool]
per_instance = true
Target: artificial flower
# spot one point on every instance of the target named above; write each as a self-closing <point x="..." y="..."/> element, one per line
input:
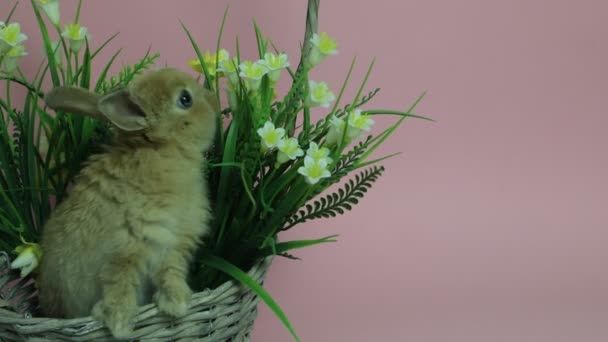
<point x="318" y="153"/>
<point x="253" y="72"/>
<point x="314" y="170"/>
<point x="360" y="121"/>
<point x="270" y="135"/>
<point x="11" y="58"/>
<point x="210" y="62"/>
<point x="274" y="64"/>
<point x="51" y="8"/>
<point x="336" y="131"/>
<point x="76" y="34"/>
<point x="28" y="259"/>
<point x="322" y="46"/>
<point x="228" y="67"/>
<point x="10" y="36"/>
<point x="289" y="149"/>
<point x="319" y="94"/>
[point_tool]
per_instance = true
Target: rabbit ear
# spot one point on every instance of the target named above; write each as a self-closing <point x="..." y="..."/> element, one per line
<point x="122" y="111"/>
<point x="74" y="100"/>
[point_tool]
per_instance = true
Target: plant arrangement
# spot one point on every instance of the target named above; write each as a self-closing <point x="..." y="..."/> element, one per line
<point x="269" y="169"/>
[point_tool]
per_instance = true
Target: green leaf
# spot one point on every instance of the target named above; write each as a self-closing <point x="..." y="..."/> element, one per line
<point x="389" y="131"/>
<point x="217" y="49"/>
<point x="85" y="79"/>
<point x="198" y="54"/>
<point x="350" y="71"/>
<point x="47" y="45"/>
<point x="104" y="72"/>
<point x="10" y="14"/>
<point x="339" y="202"/>
<point x="104" y="45"/>
<point x="259" y="39"/>
<point x="360" y="165"/>
<point x="235" y="272"/>
<point x="369" y="71"/>
<point x="286" y="246"/>
<point x="395" y="112"/>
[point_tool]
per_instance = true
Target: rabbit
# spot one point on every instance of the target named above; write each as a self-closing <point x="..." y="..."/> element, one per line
<point x="126" y="232"/>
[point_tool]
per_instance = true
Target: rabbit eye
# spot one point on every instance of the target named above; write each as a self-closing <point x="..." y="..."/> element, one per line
<point x="185" y="100"/>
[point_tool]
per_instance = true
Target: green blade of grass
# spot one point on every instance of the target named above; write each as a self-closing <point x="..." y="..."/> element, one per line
<point x="236" y="273"/>
<point x="217" y="50"/>
<point x="104" y="72"/>
<point x="259" y="39"/>
<point x="369" y="71"/>
<point x="198" y="54"/>
<point x="48" y="48"/>
<point x="286" y="246"/>
<point x="389" y="131"/>
<point x="377" y="160"/>
<point x="350" y="71"/>
<point x="85" y="77"/>
<point x="395" y="112"/>
<point x="77" y="17"/>
<point x="104" y="45"/>
<point x="10" y="14"/>
<point x="225" y="173"/>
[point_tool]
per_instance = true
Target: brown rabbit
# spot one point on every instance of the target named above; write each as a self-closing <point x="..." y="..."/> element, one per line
<point x="129" y="226"/>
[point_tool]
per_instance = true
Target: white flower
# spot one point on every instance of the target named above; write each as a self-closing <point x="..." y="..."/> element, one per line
<point x="270" y="135"/>
<point x="229" y="68"/>
<point x="322" y="46"/>
<point x="76" y="34"/>
<point x="360" y="121"/>
<point x="319" y="94"/>
<point x="314" y="170"/>
<point x="275" y="64"/>
<point x="336" y="131"/>
<point x="318" y="153"/>
<point x="11" y="58"/>
<point x="289" y="149"/>
<point x="253" y="72"/>
<point x="357" y="123"/>
<point x="51" y="8"/>
<point x="10" y="36"/>
<point x="28" y="258"/>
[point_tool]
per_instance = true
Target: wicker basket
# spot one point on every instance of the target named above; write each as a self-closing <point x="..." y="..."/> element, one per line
<point x="224" y="314"/>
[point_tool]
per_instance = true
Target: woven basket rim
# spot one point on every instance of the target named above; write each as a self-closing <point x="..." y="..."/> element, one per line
<point x="208" y="296"/>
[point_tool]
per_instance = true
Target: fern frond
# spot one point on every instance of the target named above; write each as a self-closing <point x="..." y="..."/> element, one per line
<point x="340" y="201"/>
<point x="129" y="72"/>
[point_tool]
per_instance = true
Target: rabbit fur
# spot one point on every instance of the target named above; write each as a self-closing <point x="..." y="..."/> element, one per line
<point x="126" y="233"/>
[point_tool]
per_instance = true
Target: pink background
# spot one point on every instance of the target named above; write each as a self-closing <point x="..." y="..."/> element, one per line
<point x="492" y="224"/>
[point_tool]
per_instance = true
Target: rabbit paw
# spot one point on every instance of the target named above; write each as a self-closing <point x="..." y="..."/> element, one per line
<point x="118" y="318"/>
<point x="173" y="298"/>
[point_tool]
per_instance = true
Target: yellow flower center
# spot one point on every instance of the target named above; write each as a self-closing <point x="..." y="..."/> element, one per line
<point x="10" y="33"/>
<point x="320" y="91"/>
<point x="315" y="170"/>
<point x="272" y="137"/>
<point x="252" y="70"/>
<point x="73" y="31"/>
<point x="326" y="44"/>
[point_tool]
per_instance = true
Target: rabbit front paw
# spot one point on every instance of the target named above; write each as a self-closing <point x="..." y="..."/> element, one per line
<point x="173" y="298"/>
<point x="118" y="318"/>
